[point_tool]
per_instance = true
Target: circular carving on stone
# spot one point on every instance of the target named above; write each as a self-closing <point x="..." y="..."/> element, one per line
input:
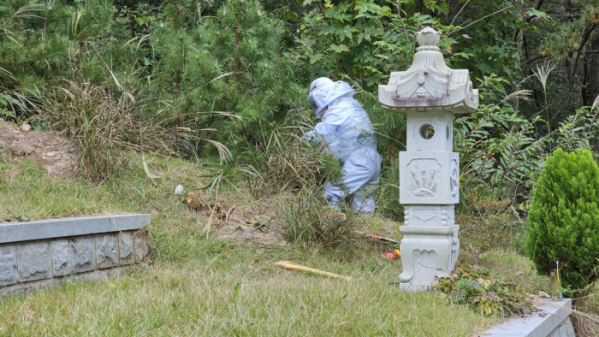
<point x="427" y="131"/>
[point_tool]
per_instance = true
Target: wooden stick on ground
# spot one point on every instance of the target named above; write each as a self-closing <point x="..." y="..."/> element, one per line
<point x="294" y="266"/>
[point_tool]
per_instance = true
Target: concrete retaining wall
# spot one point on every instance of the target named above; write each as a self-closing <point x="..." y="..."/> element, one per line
<point x="43" y="252"/>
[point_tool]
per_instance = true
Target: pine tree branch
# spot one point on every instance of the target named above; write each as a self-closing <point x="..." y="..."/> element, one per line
<point x="535" y="58"/>
<point x="484" y="17"/>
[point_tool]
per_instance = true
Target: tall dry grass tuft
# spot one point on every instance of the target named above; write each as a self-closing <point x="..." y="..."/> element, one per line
<point x="102" y="126"/>
<point x="285" y="162"/>
<point x="542" y="74"/>
<point x="308" y="219"/>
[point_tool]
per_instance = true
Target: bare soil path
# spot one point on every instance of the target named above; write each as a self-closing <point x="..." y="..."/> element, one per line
<point x="51" y="149"/>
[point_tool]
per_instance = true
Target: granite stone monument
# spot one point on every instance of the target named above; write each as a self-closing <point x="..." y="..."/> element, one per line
<point x="429" y="93"/>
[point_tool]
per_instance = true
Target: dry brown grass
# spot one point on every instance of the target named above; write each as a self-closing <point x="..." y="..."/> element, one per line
<point x="285" y="162"/>
<point x="102" y="126"/>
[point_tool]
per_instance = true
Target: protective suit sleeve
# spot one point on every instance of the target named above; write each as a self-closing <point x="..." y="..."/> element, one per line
<point x="329" y="128"/>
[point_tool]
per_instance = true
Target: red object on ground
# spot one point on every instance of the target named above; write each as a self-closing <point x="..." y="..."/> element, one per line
<point x="393" y="255"/>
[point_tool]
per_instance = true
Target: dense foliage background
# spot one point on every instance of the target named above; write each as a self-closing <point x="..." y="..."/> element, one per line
<point x="226" y="81"/>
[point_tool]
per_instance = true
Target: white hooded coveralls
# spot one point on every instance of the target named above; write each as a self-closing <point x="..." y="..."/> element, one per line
<point x="346" y="131"/>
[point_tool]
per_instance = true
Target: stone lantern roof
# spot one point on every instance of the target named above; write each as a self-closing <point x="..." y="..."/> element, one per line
<point x="429" y="84"/>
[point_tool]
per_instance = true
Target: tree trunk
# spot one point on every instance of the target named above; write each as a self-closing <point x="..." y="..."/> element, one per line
<point x="593" y="75"/>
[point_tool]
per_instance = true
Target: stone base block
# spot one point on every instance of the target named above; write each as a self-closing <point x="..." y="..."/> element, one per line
<point x="8" y="265"/>
<point x="426" y="253"/>
<point x="34" y="261"/>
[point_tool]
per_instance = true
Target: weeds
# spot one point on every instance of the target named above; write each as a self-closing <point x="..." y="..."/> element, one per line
<point x="485" y="220"/>
<point x="308" y="219"/>
<point x="475" y="287"/>
<point x="101" y="125"/>
<point x="286" y="162"/>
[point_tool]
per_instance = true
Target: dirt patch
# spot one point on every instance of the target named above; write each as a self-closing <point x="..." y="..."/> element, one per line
<point x="246" y="233"/>
<point x="244" y="223"/>
<point x="51" y="149"/>
<point x="254" y="223"/>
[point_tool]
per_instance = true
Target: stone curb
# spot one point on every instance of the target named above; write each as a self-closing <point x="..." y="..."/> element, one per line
<point x="57" y="228"/>
<point x="45" y="252"/>
<point x="547" y="322"/>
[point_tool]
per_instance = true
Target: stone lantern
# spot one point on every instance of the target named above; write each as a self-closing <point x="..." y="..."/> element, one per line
<point x="429" y="93"/>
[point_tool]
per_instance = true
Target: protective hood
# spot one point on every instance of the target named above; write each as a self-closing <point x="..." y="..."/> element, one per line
<point x="324" y="92"/>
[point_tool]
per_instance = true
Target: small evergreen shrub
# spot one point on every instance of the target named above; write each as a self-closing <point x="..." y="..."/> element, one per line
<point x="564" y="218"/>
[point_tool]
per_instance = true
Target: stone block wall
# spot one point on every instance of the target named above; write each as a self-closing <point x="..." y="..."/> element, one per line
<point x="49" y="253"/>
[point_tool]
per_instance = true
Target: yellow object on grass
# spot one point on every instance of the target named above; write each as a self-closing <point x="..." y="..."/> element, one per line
<point x="294" y="266"/>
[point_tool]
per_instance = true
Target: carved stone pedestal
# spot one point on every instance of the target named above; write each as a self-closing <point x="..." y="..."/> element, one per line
<point x="426" y="253"/>
<point x="429" y="93"/>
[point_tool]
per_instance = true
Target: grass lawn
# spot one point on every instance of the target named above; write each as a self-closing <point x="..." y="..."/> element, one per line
<point x="198" y="286"/>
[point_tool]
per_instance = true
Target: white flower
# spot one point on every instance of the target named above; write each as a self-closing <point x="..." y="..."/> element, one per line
<point x="179" y="190"/>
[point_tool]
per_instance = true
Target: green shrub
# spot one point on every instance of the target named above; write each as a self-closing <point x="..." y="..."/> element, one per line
<point x="227" y="72"/>
<point x="564" y="217"/>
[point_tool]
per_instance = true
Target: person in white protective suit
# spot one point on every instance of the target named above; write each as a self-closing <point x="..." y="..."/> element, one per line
<point x="345" y="130"/>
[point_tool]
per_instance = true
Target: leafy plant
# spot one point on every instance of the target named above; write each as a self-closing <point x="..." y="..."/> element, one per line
<point x="579" y="131"/>
<point x="475" y="287"/>
<point x="564" y="218"/>
<point x="362" y="41"/>
<point x="5" y="112"/>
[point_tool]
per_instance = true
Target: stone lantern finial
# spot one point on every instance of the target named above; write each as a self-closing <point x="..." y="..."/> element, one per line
<point x="429" y="84"/>
<point x="428" y="39"/>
